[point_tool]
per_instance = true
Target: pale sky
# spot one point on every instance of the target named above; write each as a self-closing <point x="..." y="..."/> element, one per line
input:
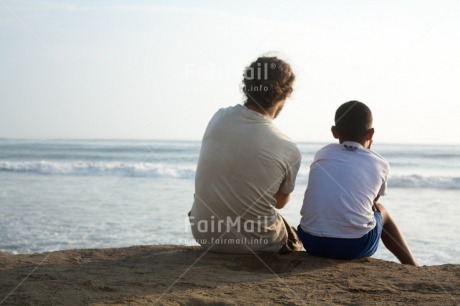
<point x="161" y="69"/>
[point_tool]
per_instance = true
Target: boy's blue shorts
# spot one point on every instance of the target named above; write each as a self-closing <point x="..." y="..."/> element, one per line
<point x="341" y="248"/>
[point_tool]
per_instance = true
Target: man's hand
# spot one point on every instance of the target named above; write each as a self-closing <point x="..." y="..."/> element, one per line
<point x="281" y="199"/>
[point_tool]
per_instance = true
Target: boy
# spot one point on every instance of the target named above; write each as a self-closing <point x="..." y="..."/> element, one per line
<point x="340" y="215"/>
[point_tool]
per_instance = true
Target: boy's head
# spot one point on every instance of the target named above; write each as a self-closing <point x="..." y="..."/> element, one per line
<point x="353" y="122"/>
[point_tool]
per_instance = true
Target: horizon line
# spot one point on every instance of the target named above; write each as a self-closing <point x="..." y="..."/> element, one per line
<point x="199" y="140"/>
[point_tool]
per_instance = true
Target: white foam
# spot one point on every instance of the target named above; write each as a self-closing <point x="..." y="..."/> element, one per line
<point x="419" y="181"/>
<point x="100" y="169"/>
<point x="187" y="171"/>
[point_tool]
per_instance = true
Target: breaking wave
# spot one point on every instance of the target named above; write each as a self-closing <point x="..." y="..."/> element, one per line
<point x="100" y="169"/>
<point x="187" y="171"/>
<point x="419" y="181"/>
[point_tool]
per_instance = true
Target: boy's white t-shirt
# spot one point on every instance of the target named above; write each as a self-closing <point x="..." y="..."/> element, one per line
<point x="343" y="182"/>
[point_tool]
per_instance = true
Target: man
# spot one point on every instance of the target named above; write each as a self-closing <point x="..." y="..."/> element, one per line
<point x="247" y="168"/>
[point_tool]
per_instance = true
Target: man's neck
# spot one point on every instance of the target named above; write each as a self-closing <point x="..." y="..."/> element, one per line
<point x="269" y="113"/>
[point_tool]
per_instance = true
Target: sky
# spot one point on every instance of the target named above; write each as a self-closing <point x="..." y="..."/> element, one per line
<point x="161" y="69"/>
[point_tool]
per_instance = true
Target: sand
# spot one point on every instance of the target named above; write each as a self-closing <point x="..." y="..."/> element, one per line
<point x="180" y="275"/>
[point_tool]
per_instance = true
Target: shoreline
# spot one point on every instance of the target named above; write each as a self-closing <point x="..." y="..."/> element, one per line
<point x="187" y="275"/>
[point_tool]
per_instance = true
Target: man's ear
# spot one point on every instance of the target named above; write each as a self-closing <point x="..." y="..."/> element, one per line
<point x="334" y="132"/>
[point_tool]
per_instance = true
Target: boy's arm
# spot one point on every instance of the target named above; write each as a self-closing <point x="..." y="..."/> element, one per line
<point x="375" y="207"/>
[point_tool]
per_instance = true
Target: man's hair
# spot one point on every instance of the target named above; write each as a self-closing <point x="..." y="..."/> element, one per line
<point x="267" y="81"/>
<point x="353" y="120"/>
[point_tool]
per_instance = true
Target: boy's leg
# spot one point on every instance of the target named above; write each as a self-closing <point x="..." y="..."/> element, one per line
<point x="394" y="240"/>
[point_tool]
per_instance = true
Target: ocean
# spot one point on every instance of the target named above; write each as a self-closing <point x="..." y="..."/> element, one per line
<point x="68" y="194"/>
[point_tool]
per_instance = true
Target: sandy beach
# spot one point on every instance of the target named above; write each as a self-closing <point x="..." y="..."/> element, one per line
<point x="181" y="275"/>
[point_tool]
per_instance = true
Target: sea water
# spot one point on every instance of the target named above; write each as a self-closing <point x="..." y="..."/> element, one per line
<point x="66" y="194"/>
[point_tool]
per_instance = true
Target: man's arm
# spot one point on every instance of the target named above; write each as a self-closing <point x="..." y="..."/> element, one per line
<point x="293" y="165"/>
<point x="281" y="199"/>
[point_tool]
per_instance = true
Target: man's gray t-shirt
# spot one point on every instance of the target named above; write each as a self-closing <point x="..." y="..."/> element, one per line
<point x="244" y="161"/>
